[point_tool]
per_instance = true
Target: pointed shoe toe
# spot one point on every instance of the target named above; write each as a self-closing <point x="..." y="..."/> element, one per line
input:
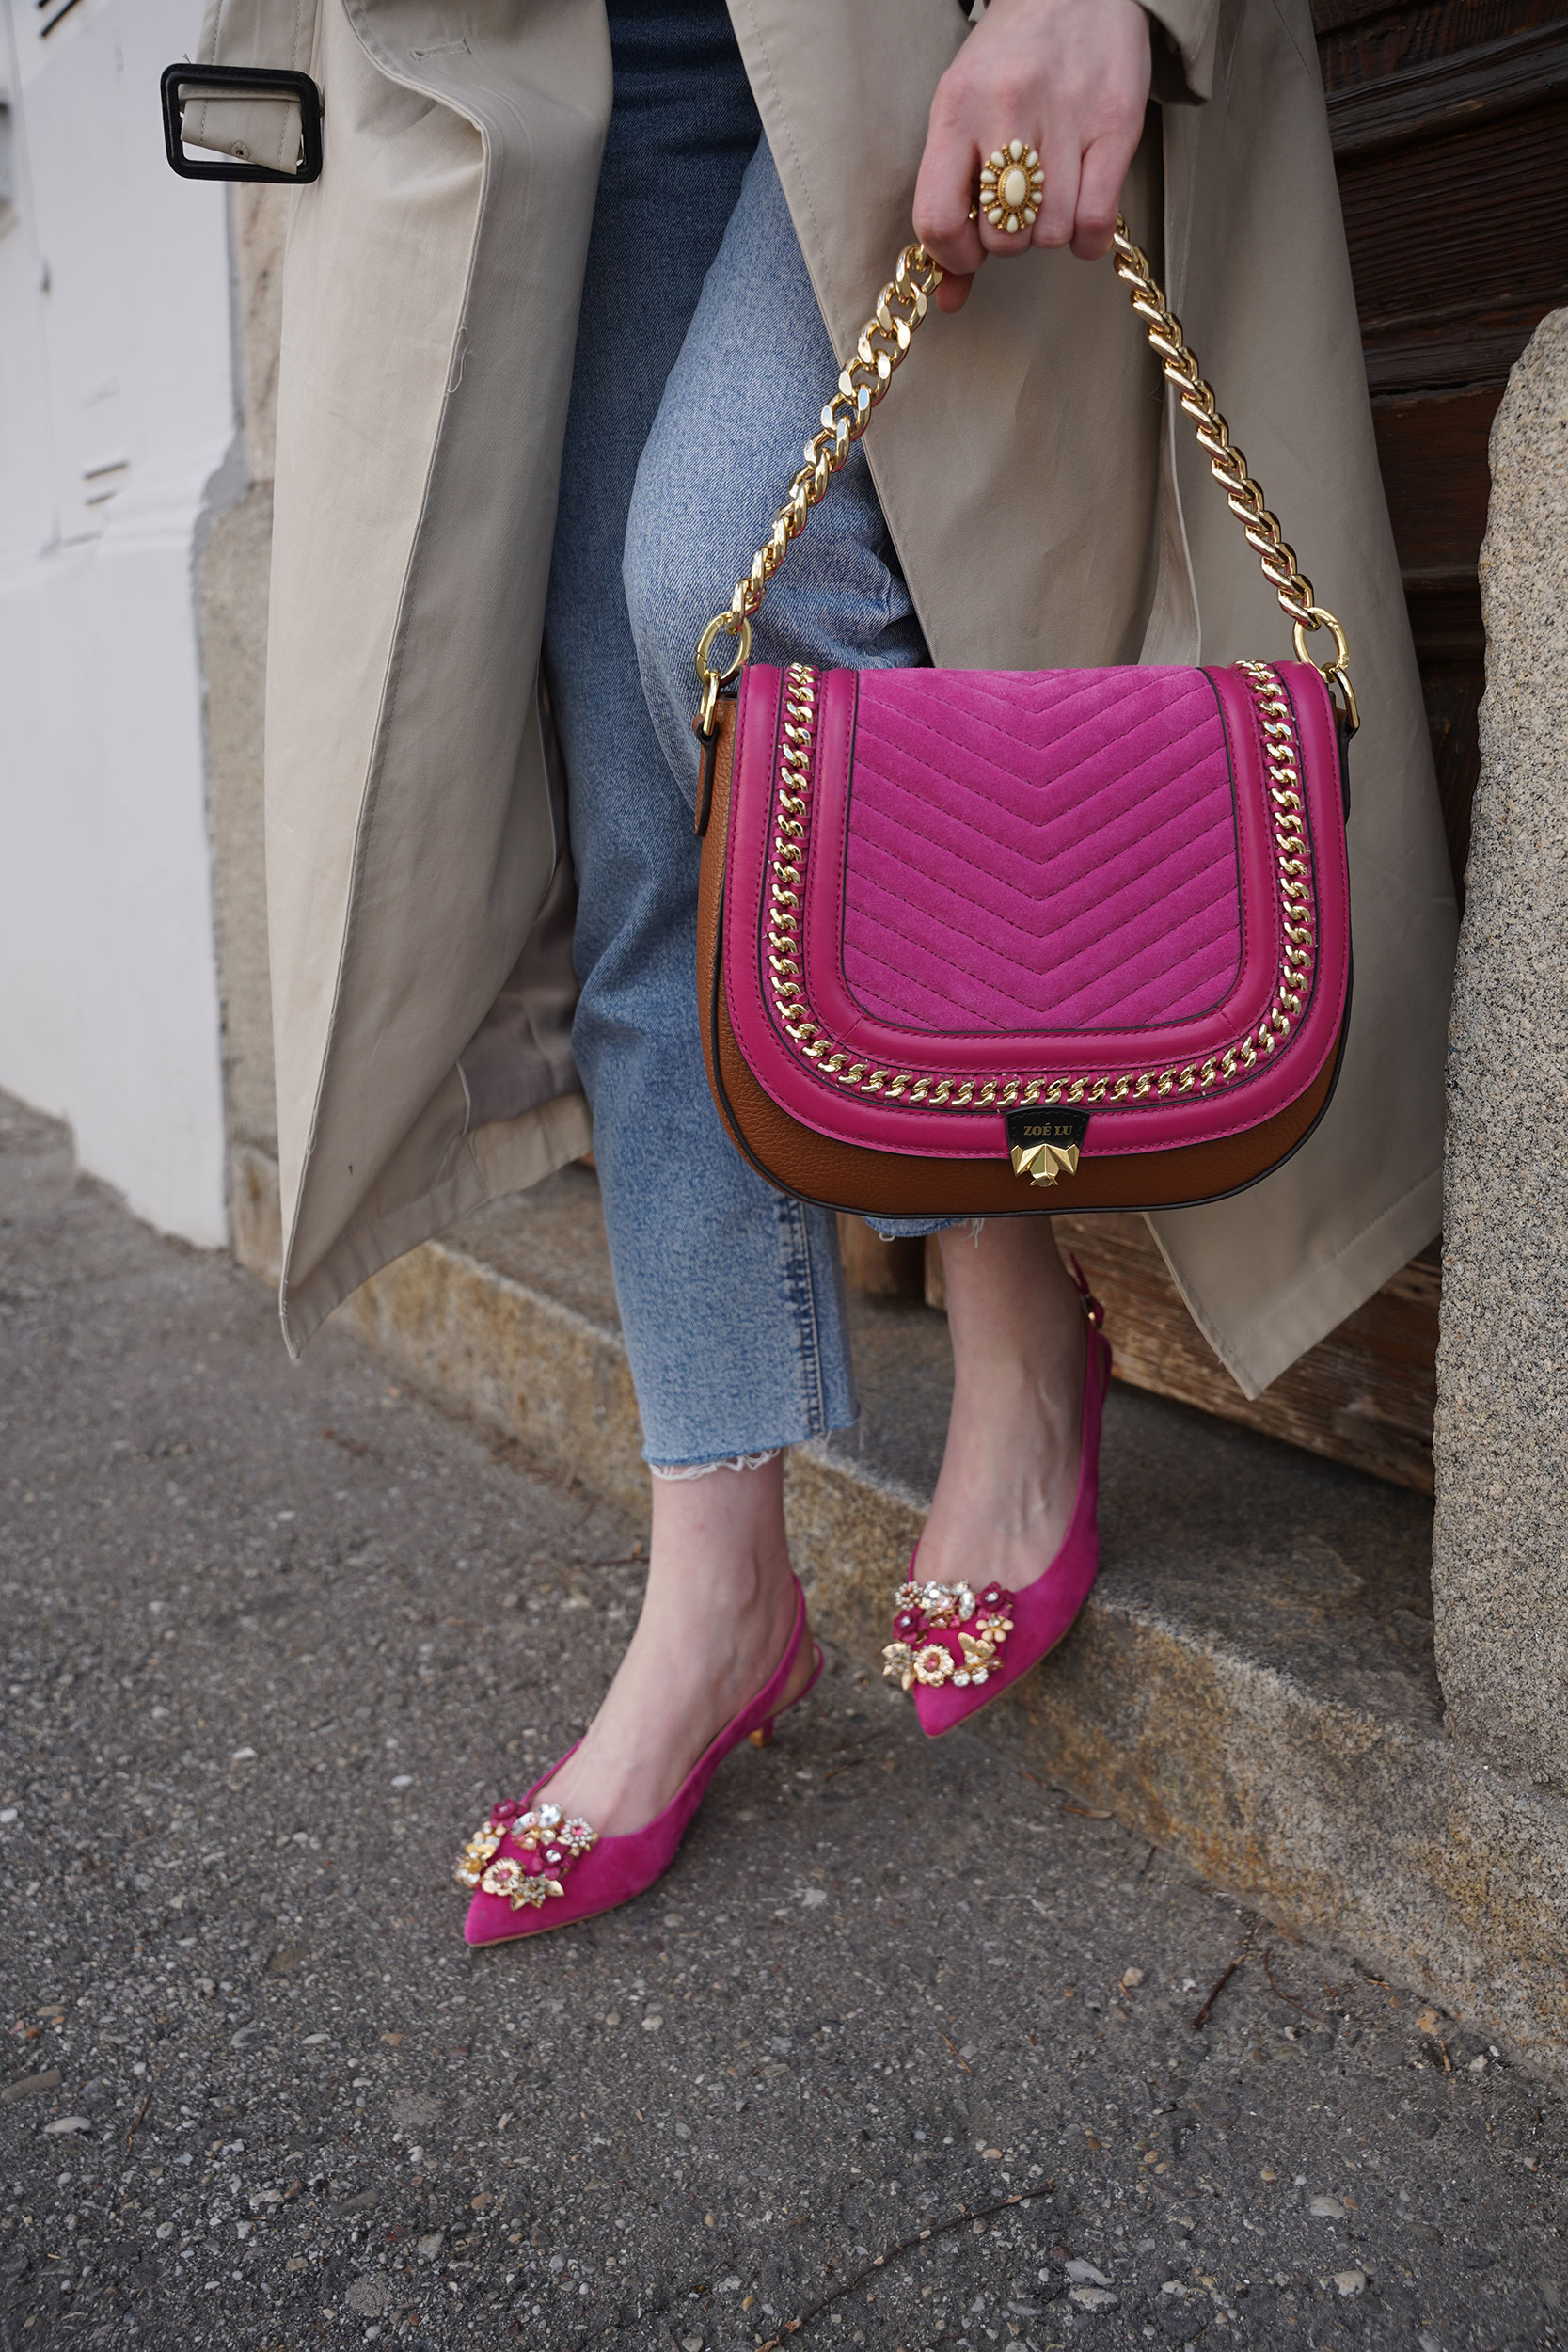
<point x="532" y="1867"/>
<point x="956" y="1649"/>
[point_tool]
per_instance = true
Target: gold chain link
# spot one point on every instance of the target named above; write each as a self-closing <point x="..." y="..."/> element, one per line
<point x="882" y="343"/>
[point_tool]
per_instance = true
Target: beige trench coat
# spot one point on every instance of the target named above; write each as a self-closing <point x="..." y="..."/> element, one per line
<point x="422" y="991"/>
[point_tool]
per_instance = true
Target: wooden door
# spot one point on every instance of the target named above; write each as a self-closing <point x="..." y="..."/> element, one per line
<point x="1450" y="135"/>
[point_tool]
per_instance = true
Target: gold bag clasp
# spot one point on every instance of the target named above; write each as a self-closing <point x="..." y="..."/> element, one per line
<point x="1042" y="1163"/>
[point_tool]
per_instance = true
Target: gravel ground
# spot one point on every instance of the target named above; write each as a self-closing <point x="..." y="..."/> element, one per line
<point x="906" y="2045"/>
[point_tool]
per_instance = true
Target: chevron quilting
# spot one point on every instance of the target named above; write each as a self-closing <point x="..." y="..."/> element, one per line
<point x="1040" y="851"/>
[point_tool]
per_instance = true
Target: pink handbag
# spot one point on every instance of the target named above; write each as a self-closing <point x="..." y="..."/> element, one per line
<point x="992" y="942"/>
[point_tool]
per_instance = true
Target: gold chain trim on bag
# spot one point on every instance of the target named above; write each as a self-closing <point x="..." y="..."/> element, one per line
<point x="881" y="346"/>
<point x="932" y="1090"/>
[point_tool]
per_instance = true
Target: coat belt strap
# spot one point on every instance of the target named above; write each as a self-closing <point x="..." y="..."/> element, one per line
<point x="278" y="35"/>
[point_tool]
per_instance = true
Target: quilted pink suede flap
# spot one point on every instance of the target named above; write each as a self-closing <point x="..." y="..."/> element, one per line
<point x="951" y="893"/>
<point x="1050" y="851"/>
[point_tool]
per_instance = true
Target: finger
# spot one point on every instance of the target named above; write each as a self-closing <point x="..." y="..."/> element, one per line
<point x="959" y="252"/>
<point x="1060" y="163"/>
<point x="953" y="293"/>
<point x="942" y="196"/>
<point x="998" y="240"/>
<point x="1100" y="186"/>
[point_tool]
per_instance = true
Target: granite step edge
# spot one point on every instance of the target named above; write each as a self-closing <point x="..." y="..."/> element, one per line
<point x="1377" y="1833"/>
<point x="1425" y="1863"/>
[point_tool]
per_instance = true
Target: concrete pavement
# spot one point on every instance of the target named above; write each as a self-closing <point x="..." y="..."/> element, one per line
<point x="275" y="1638"/>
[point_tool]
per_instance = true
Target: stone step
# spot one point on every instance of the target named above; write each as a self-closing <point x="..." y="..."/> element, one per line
<point x="1251" y="1685"/>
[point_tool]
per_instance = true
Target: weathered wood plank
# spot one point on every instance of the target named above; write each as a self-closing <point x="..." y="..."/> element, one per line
<point x="1364" y="1395"/>
<point x="880" y="1269"/>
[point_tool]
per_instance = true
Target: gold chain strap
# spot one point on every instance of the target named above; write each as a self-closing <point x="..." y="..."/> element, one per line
<point x="883" y="340"/>
<point x="1230" y="467"/>
<point x="882" y="343"/>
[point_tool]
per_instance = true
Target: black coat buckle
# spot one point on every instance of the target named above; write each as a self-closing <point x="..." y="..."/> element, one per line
<point x="182" y="81"/>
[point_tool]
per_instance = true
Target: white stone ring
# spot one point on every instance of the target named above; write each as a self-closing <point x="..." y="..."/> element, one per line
<point x="1011" y="186"/>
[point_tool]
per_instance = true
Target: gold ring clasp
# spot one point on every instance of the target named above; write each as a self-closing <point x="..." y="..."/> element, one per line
<point x="713" y="680"/>
<point x="1335" y="673"/>
<point x="743" y="647"/>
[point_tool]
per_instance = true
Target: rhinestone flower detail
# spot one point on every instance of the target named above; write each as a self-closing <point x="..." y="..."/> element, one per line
<point x="976" y="1659"/>
<point x="946" y="1633"/>
<point x="542" y="1847"/>
<point x="475" y="1855"/>
<point x="898" y="1664"/>
<point x="932" y="1605"/>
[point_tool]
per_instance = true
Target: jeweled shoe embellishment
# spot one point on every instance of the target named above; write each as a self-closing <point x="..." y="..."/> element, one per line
<point x="936" y="1605"/>
<point x="546" y="1842"/>
<point x="974" y="1627"/>
<point x="475" y="1855"/>
<point x="899" y="1665"/>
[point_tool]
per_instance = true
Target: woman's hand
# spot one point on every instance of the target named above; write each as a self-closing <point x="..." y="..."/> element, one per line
<point x="1070" y="77"/>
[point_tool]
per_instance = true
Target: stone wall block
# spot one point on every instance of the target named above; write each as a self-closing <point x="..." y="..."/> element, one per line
<point x="261" y="222"/>
<point x="234" y="572"/>
<point x="234" y="643"/>
<point x="1500" y="1543"/>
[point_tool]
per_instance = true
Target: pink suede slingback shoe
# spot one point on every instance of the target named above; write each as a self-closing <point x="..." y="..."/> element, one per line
<point x="531" y="1868"/>
<point x="957" y="1649"/>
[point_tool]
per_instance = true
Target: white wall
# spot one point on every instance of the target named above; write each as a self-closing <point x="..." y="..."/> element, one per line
<point x="118" y="442"/>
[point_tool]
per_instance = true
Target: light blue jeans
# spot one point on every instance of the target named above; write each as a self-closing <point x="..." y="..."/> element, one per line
<point x="702" y="364"/>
